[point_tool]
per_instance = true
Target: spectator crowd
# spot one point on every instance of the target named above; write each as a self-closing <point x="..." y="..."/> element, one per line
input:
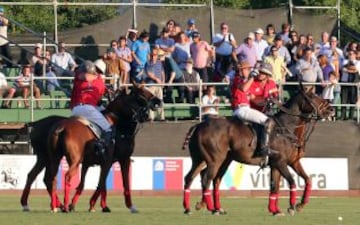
<point x="180" y="55"/>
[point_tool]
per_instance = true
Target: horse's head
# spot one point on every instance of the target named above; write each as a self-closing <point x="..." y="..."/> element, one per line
<point x="312" y="106"/>
<point x="135" y="105"/>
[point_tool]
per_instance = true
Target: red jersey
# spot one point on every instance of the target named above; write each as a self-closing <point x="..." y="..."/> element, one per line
<point x="85" y="92"/>
<point x="266" y="91"/>
<point x="239" y="96"/>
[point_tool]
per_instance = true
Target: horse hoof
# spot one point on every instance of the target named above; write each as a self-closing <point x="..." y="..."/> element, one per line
<point x="65" y="210"/>
<point x="26" y="208"/>
<point x="199" y="205"/>
<point x="222" y="211"/>
<point x="106" y="210"/>
<point x="133" y="210"/>
<point x="92" y="209"/>
<point x="71" y="208"/>
<point x="279" y="214"/>
<point x="55" y="210"/>
<point x="299" y="207"/>
<point x="187" y="212"/>
<point x="291" y="212"/>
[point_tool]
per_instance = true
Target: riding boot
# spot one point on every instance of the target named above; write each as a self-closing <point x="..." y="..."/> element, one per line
<point x="265" y="138"/>
<point x="104" y="143"/>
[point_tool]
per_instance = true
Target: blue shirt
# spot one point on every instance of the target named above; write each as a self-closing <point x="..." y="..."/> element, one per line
<point x="155" y="68"/>
<point x="141" y="50"/>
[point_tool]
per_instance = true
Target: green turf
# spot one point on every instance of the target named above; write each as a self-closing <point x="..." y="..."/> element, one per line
<point x="168" y="210"/>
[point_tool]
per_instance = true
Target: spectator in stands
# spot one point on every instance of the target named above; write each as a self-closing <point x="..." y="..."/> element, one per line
<point x="324" y="43"/>
<point x="350" y="74"/>
<point x="182" y="50"/>
<point x="326" y="69"/>
<point x="51" y="84"/>
<point x="154" y="74"/>
<point x="207" y="101"/>
<point x="308" y="69"/>
<point x="329" y="85"/>
<point x="115" y="68"/>
<point x="224" y="43"/>
<point x="141" y="53"/>
<point x="131" y="37"/>
<point x="333" y="47"/>
<point x="22" y="86"/>
<point x="200" y="52"/>
<point x="114" y="44"/>
<point x="38" y="54"/>
<point x="191" y="27"/>
<point x="310" y="41"/>
<point x="270" y="34"/>
<point x="278" y="65"/>
<point x="191" y="76"/>
<point x="292" y="45"/>
<point x="170" y="24"/>
<point x="4" y="43"/>
<point x="246" y="51"/>
<point x="351" y="46"/>
<point x="278" y="43"/>
<point x="260" y="44"/>
<point x="284" y="33"/>
<point x="124" y="54"/>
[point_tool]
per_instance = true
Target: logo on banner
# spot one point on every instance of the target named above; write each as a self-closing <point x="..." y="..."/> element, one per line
<point x="233" y="176"/>
<point x="167" y="174"/>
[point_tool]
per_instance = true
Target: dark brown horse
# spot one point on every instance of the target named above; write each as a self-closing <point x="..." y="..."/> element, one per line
<point x="214" y="144"/>
<point x="137" y="104"/>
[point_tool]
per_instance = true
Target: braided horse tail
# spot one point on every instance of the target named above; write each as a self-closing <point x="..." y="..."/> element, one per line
<point x="188" y="136"/>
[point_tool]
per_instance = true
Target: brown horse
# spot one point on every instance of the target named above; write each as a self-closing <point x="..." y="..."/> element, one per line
<point x="214" y="144"/>
<point x="135" y="107"/>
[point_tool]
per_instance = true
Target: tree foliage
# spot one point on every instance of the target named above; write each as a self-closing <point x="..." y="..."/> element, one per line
<point x="41" y="18"/>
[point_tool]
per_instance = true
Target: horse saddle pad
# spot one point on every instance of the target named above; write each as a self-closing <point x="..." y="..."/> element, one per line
<point x="96" y="129"/>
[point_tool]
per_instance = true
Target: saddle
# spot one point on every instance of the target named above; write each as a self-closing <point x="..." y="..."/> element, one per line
<point x="94" y="128"/>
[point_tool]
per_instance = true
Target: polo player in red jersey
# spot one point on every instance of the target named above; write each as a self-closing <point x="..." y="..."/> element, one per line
<point x="244" y="90"/>
<point x="88" y="89"/>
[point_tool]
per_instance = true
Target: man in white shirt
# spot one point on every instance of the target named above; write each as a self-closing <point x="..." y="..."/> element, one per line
<point x="4" y="43"/>
<point x="259" y="43"/>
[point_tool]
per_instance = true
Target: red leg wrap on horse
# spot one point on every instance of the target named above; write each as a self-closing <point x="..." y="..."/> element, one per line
<point x="53" y="200"/>
<point x="94" y="198"/>
<point x="208" y="201"/>
<point x="292" y="195"/>
<point x="186" y="199"/>
<point x="58" y="202"/>
<point x="76" y="197"/>
<point x="66" y="194"/>
<point x="103" y="199"/>
<point x="273" y="198"/>
<point x="128" y="202"/>
<point x="216" y="197"/>
<point x="307" y="192"/>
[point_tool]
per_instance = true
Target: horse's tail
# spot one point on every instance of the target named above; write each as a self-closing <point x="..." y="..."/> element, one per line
<point x="188" y="136"/>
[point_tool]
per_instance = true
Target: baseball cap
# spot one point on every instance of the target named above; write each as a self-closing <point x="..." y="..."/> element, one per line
<point x="259" y="31"/>
<point x="277" y="37"/>
<point x="195" y="34"/>
<point x="133" y="31"/>
<point x="2" y="10"/>
<point x="191" y="21"/>
<point x="251" y="35"/>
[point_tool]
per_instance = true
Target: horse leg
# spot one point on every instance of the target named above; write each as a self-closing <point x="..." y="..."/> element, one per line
<point x="273" y="205"/>
<point x="194" y="171"/>
<point x="51" y="184"/>
<point x="284" y="171"/>
<point x="39" y="165"/>
<point x="101" y="189"/>
<point x="79" y="188"/>
<point x="216" y="185"/>
<point x="298" y="168"/>
<point x="73" y="168"/>
<point x="209" y="175"/>
<point x="125" y="172"/>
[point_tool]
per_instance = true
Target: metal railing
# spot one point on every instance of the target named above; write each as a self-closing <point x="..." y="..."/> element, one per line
<point x="198" y="104"/>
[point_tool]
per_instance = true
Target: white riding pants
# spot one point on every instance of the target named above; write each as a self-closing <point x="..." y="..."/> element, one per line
<point x="91" y="113"/>
<point x="248" y="114"/>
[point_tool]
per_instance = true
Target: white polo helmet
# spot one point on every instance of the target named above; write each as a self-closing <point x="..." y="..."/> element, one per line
<point x="100" y="64"/>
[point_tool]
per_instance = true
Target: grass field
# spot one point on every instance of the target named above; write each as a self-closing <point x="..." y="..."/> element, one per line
<point x="168" y="210"/>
